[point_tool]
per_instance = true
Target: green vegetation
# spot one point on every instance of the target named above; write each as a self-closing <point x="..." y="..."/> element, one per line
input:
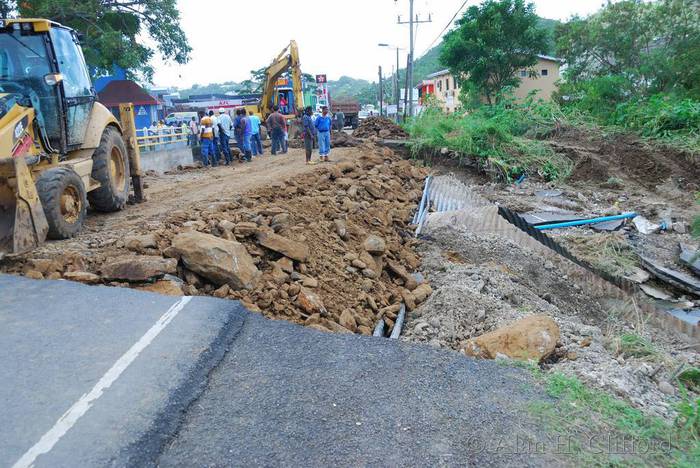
<point x="114" y="31"/>
<point x="636" y="65"/>
<point x="633" y="345"/>
<point x="503" y="138"/>
<point x="491" y="43"/>
<point x="597" y="426"/>
<point x="695" y="228"/>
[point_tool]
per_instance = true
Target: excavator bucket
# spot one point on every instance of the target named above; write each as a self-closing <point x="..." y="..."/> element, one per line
<point x="23" y="225"/>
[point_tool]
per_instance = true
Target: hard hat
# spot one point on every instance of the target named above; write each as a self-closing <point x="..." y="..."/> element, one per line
<point x="221" y="110"/>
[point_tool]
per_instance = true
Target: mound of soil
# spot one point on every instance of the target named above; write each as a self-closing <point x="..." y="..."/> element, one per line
<point x="380" y="127"/>
<point x="330" y="249"/>
<point x="598" y="157"/>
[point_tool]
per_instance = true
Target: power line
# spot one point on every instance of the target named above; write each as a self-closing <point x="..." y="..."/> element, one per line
<point x="445" y="28"/>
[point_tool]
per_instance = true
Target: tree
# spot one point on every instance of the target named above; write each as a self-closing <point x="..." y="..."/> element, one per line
<point x="7" y="7"/>
<point x="654" y="45"/>
<point x="492" y="42"/>
<point x="113" y="30"/>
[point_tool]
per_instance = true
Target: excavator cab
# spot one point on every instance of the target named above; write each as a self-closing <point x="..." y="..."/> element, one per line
<point x="60" y="149"/>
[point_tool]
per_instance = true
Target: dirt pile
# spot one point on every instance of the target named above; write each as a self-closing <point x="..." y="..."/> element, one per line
<point x="484" y="283"/>
<point x="380" y="127"/>
<point x="330" y="249"/>
<point x="342" y="139"/>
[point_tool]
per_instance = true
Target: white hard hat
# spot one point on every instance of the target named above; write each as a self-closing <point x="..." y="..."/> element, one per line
<point x="221" y="110"/>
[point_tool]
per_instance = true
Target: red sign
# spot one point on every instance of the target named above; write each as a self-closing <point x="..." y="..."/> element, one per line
<point x="321" y="79"/>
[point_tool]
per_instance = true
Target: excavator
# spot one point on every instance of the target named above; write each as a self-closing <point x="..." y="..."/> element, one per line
<point x="287" y="60"/>
<point x="59" y="148"/>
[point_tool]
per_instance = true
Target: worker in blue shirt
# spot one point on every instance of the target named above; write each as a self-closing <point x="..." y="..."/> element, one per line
<point x="324" y="123"/>
<point x="309" y="133"/>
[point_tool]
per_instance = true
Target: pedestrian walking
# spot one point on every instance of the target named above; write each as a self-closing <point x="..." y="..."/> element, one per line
<point x="309" y="133"/>
<point x="255" y="140"/>
<point x="323" y="125"/>
<point x="275" y="124"/>
<point x="225" y="130"/>
<point x="247" y="134"/>
<point x="238" y="134"/>
<point x="206" y="136"/>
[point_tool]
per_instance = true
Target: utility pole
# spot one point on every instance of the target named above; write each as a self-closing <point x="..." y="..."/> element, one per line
<point x="409" y="71"/>
<point x="397" y="86"/>
<point x="381" y="93"/>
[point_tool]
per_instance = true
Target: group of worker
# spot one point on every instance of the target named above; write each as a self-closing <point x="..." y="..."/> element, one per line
<point x="214" y="133"/>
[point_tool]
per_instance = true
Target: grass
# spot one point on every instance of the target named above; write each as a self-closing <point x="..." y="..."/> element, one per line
<point x="633" y="345"/>
<point x="505" y="139"/>
<point x="602" y="430"/>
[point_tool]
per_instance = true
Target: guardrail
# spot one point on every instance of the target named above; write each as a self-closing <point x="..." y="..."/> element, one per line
<point x="165" y="138"/>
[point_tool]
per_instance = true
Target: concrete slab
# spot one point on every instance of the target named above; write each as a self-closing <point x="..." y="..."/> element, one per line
<point x="61" y="341"/>
<point x="167" y="160"/>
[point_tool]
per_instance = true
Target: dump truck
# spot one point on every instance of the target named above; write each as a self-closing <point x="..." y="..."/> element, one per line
<point x="59" y="148"/>
<point x="349" y="107"/>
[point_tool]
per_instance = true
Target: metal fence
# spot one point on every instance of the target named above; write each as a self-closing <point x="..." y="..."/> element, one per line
<point x="164" y="138"/>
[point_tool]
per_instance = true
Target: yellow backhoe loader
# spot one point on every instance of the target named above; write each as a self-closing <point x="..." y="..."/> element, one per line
<point x="59" y="148"/>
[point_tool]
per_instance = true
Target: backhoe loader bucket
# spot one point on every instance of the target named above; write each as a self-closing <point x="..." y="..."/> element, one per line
<point x="23" y="225"/>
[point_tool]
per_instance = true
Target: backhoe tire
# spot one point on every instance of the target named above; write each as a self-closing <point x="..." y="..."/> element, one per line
<point x="110" y="167"/>
<point x="62" y="196"/>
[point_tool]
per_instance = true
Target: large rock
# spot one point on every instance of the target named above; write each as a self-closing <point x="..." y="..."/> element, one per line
<point x="137" y="243"/>
<point x="138" y="268"/>
<point x="82" y="277"/>
<point x="533" y="337"/>
<point x="374" y="245"/>
<point x="402" y="273"/>
<point x="220" y="261"/>
<point x="310" y="302"/>
<point x="166" y="287"/>
<point x="287" y="247"/>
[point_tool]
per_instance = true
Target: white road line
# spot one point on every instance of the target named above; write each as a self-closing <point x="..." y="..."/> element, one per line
<point x="70" y="417"/>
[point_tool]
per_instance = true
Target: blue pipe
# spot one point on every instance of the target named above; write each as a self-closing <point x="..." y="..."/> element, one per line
<point x="582" y="222"/>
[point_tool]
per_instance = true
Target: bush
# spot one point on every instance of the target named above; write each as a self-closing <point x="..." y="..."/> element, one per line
<point x="598" y="97"/>
<point x="504" y="138"/>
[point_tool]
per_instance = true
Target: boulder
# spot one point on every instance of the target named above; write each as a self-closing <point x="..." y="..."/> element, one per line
<point x="533" y="337"/>
<point x="165" y="287"/>
<point x="286" y="264"/>
<point x="401" y="272"/>
<point x="220" y="261"/>
<point x="33" y="274"/>
<point x="310" y="302"/>
<point x="347" y="320"/>
<point x="341" y="229"/>
<point x="287" y="247"/>
<point x="82" y="277"/>
<point x="146" y="241"/>
<point x="246" y="229"/>
<point x="375" y="245"/>
<point x="138" y="268"/>
<point x="422" y="292"/>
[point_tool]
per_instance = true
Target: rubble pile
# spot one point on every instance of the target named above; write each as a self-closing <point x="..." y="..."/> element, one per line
<point x="380" y="127"/>
<point x="331" y="249"/>
<point x="342" y="139"/>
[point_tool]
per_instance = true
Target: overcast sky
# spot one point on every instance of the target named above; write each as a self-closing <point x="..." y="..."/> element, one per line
<point x="336" y="37"/>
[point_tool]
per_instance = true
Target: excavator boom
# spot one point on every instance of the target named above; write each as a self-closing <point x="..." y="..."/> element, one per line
<point x="288" y="59"/>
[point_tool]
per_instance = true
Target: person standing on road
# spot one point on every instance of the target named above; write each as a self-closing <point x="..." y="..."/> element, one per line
<point x="215" y="126"/>
<point x="340" y="120"/>
<point x="255" y="140"/>
<point x="206" y="136"/>
<point x="309" y="133"/>
<point x="225" y="126"/>
<point x="275" y="124"/>
<point x="247" y="134"/>
<point x="324" y="124"/>
<point x="194" y="131"/>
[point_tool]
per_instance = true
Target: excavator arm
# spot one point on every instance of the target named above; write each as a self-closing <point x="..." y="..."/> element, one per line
<point x="288" y="59"/>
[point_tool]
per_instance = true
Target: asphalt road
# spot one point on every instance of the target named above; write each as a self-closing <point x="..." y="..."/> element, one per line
<point x="86" y="381"/>
<point x="60" y="343"/>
